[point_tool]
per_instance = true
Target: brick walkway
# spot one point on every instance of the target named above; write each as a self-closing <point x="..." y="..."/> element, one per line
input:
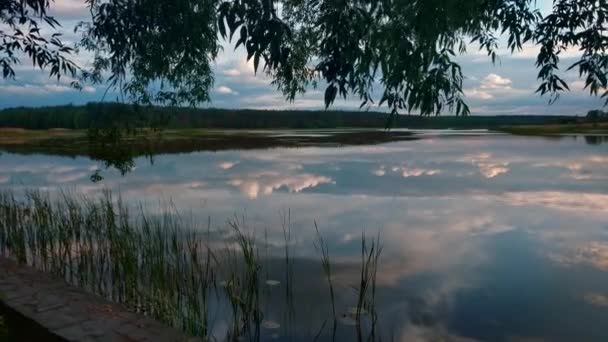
<point x="72" y="314"/>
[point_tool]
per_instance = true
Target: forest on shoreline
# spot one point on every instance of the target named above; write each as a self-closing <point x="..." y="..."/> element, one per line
<point x="107" y="115"/>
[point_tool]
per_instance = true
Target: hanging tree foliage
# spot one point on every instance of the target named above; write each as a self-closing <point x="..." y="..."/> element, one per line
<point x="20" y="26"/>
<point x="161" y="51"/>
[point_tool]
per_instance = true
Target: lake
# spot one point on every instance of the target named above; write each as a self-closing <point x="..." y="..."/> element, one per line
<point x="484" y="236"/>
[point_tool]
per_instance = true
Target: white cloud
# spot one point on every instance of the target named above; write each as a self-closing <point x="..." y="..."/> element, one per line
<point x="599" y="159"/>
<point x="379" y="172"/>
<point x="232" y="72"/>
<point x="69" y="9"/>
<point x="494" y="81"/>
<point x="505" y="88"/>
<point x="416" y="172"/>
<point x="226" y="91"/>
<point x="530" y="51"/>
<point x="571" y="201"/>
<point x="227" y="165"/>
<point x="267" y="182"/>
<point x="494" y="86"/>
<point x="492" y="170"/>
<point x="407" y="172"/>
<point x="488" y="166"/>
<point x="593" y="254"/>
<point x="581" y="169"/>
<point x="577" y="85"/>
<point x="35" y="89"/>
<point x="478" y="94"/>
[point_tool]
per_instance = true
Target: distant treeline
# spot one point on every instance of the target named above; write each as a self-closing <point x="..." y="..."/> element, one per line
<point x="103" y="115"/>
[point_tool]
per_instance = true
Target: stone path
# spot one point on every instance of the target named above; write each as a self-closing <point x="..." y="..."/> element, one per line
<point x="70" y="313"/>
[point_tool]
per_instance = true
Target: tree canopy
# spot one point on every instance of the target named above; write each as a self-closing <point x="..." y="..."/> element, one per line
<point x="399" y="53"/>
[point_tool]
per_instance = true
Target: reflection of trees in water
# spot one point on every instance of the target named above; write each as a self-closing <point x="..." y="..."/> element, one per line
<point x="589" y="139"/>
<point x="596" y="139"/>
<point x="116" y="149"/>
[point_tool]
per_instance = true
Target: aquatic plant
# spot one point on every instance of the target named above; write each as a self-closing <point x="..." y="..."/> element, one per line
<point x="152" y="265"/>
<point x="161" y="265"/>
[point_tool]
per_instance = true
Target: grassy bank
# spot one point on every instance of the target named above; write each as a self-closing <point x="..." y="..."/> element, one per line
<point x="173" y="269"/>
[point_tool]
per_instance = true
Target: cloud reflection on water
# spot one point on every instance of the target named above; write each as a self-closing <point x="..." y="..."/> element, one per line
<point x="266" y="182"/>
<point x="441" y="207"/>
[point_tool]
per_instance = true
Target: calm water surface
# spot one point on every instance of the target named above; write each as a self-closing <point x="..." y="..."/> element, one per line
<point x="486" y="237"/>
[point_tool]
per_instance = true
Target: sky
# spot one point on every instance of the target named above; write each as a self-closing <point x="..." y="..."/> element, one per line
<point x="505" y="88"/>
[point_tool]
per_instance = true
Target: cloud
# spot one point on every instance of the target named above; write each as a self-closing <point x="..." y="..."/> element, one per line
<point x="67" y="177"/>
<point x="487" y="167"/>
<point x="407" y="172"/>
<point x="227" y="165"/>
<point x="571" y="201"/>
<point x="598" y="159"/>
<point x="294" y="166"/>
<point x="226" y="91"/>
<point x="480" y="225"/>
<point x="494" y="86"/>
<point x="42" y="168"/>
<point x="232" y="72"/>
<point x="594" y="254"/>
<point x="41" y="89"/>
<point x="63" y="169"/>
<point x="177" y="189"/>
<point x="379" y="172"/>
<point x="493" y="81"/>
<point x="577" y="85"/>
<point x="587" y="168"/>
<point x="492" y="170"/>
<point x="69" y="9"/>
<point x="490" y="89"/>
<point x="530" y="51"/>
<point x="596" y="299"/>
<point x="416" y="172"/>
<point x="266" y="182"/>
<point x="478" y="94"/>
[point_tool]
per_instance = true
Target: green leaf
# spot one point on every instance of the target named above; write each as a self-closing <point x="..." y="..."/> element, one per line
<point x="330" y="95"/>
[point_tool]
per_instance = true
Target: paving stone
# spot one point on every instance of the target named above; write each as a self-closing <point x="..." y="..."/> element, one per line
<point x="73" y="314"/>
<point x="58" y="319"/>
<point x="73" y="333"/>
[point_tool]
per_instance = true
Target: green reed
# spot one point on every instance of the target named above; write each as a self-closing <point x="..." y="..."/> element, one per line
<point x="370" y="256"/>
<point x="158" y="265"/>
<point x="322" y="247"/>
<point x="152" y="265"/>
